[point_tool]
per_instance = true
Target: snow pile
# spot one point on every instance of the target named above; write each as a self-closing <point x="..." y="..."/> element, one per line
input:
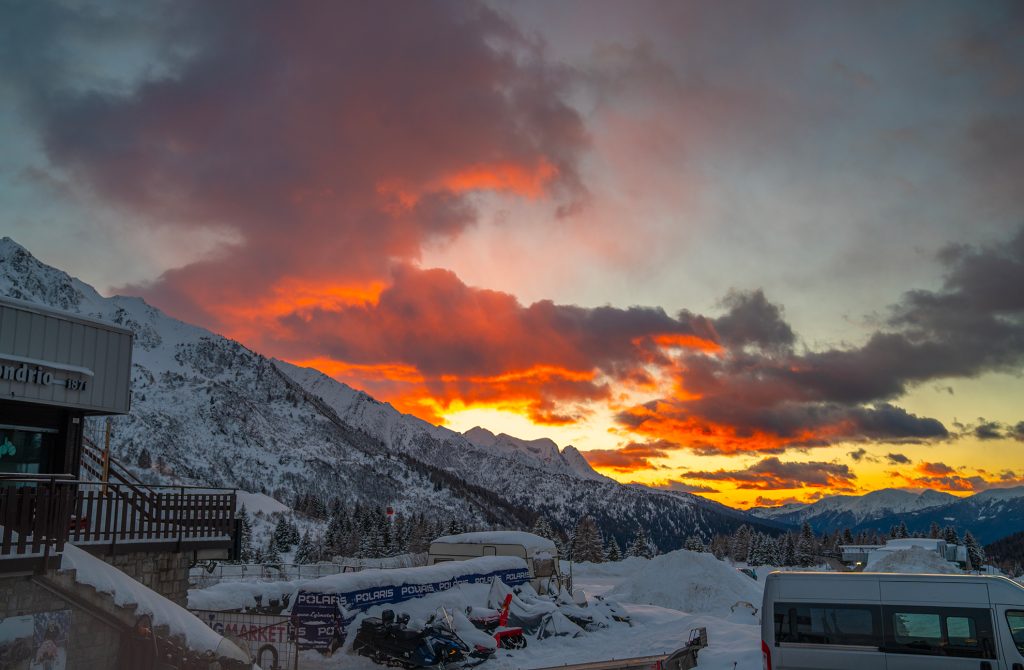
<point x="913" y="559"/>
<point x="126" y="592"/>
<point x="532" y="543"/>
<point x="687" y="581"/>
<point x="239" y="595"/>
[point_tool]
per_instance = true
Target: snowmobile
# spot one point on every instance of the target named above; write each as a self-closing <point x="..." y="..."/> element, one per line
<point x="495" y="623"/>
<point x="388" y="640"/>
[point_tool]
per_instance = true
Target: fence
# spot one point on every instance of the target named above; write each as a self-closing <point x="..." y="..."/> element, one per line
<point x="39" y="514"/>
<point x="214" y="573"/>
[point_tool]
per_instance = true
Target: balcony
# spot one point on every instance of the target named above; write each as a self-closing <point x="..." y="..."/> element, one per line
<point x="40" y="514"/>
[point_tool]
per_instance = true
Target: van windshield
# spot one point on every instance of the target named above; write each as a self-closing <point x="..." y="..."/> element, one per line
<point x="1015" y="618"/>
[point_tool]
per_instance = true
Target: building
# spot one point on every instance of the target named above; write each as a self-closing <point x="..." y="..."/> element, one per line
<point x="856" y="556"/>
<point x="58" y="488"/>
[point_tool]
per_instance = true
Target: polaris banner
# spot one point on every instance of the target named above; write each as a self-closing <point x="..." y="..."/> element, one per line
<point x="321" y="617"/>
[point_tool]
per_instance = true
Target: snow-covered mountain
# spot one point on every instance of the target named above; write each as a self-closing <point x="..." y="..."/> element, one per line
<point x="208" y="410"/>
<point x="990" y="515"/>
<point x="542" y="451"/>
<point x="845" y="511"/>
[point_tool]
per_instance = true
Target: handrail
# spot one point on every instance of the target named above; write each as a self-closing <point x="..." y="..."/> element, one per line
<point x="63" y="478"/>
<point x="54" y="509"/>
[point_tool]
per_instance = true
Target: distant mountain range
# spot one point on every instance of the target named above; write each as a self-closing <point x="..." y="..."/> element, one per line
<point x="990" y="514"/>
<point x="210" y="411"/>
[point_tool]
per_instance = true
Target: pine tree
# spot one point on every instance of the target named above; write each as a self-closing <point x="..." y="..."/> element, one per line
<point x="806" y="546"/>
<point x="788" y="550"/>
<point x="902" y="531"/>
<point x="847" y="536"/>
<point x="245" y="553"/>
<point x="271" y="556"/>
<point x="974" y="551"/>
<point x="739" y="547"/>
<point x="281" y="537"/>
<point x="145" y="461"/>
<point x="542" y="528"/>
<point x="613" y="552"/>
<point x="694" y="543"/>
<point x="587" y="545"/>
<point x="304" y="554"/>
<point x="293" y="533"/>
<point x="640" y="545"/>
<point x="950" y="536"/>
<point x="935" y="531"/>
<point x="762" y="550"/>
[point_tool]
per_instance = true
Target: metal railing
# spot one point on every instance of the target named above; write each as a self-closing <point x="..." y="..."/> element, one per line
<point x="39" y="514"/>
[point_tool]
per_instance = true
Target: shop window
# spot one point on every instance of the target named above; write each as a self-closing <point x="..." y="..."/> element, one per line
<point x="25" y="450"/>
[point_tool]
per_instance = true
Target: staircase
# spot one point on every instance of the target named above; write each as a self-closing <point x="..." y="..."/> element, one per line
<point x="172" y="649"/>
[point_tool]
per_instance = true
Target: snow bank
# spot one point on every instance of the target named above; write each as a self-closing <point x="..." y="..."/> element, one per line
<point x="532" y="542"/>
<point x="913" y="559"/>
<point x="126" y="591"/>
<point x="687" y="581"/>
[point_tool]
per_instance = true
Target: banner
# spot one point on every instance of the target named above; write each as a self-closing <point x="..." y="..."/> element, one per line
<point x="321" y="618"/>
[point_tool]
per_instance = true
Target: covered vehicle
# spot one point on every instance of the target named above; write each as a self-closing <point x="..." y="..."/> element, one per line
<point x="540" y="553"/>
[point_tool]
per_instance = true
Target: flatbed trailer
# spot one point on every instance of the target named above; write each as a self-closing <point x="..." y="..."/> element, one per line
<point x="683" y="658"/>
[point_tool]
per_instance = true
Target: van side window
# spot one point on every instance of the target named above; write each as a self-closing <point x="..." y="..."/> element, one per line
<point x="804" y="623"/>
<point x="1015" y="618"/>
<point x="939" y="631"/>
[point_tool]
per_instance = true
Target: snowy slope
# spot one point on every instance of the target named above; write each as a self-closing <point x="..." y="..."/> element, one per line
<point x="543" y="452"/>
<point x="844" y="511"/>
<point x="989" y="515"/>
<point x="208" y="410"/>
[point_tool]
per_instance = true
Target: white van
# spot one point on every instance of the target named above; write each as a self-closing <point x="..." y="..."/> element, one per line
<point x="540" y="553"/>
<point x="886" y="621"/>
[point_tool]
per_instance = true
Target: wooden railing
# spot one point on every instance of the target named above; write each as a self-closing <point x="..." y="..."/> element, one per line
<point x="38" y="515"/>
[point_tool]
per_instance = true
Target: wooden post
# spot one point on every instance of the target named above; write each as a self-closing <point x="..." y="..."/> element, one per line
<point x="106" y="460"/>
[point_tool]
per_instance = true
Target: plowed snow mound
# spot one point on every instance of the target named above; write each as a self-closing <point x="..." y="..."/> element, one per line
<point x="914" y="559"/>
<point x="690" y="582"/>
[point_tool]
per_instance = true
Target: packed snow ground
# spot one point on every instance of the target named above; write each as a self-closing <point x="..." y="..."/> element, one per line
<point x="705" y="585"/>
<point x="666" y="597"/>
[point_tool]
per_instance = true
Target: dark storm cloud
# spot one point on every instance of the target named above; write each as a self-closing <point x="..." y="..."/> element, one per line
<point x="751" y="319"/>
<point x="897" y="459"/>
<point x="771" y="473"/>
<point x="989" y="430"/>
<point x="434" y="321"/>
<point x="858" y="454"/>
<point x="631" y="458"/>
<point x="676" y="485"/>
<point x="782" y="398"/>
<point x="1017" y="432"/>
<point x="333" y="137"/>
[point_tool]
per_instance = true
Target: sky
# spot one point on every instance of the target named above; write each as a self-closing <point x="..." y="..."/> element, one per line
<point x="763" y="252"/>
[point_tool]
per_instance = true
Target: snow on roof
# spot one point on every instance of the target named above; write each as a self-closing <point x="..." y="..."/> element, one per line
<point x="913" y="559"/>
<point x="365" y="579"/>
<point x="925" y="542"/>
<point x="258" y="502"/>
<point x="529" y="540"/>
<point x="106" y="578"/>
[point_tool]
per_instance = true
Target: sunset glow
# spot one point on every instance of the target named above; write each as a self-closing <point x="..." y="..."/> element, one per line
<point x="762" y="253"/>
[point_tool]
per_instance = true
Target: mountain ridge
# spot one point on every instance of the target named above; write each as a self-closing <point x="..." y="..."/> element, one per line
<point x="208" y="410"/>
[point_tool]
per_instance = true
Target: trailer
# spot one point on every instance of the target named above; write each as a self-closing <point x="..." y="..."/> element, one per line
<point x="540" y="553"/>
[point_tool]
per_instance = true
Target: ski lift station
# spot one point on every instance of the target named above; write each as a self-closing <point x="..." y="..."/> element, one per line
<point x="69" y="513"/>
<point x="540" y="553"/>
